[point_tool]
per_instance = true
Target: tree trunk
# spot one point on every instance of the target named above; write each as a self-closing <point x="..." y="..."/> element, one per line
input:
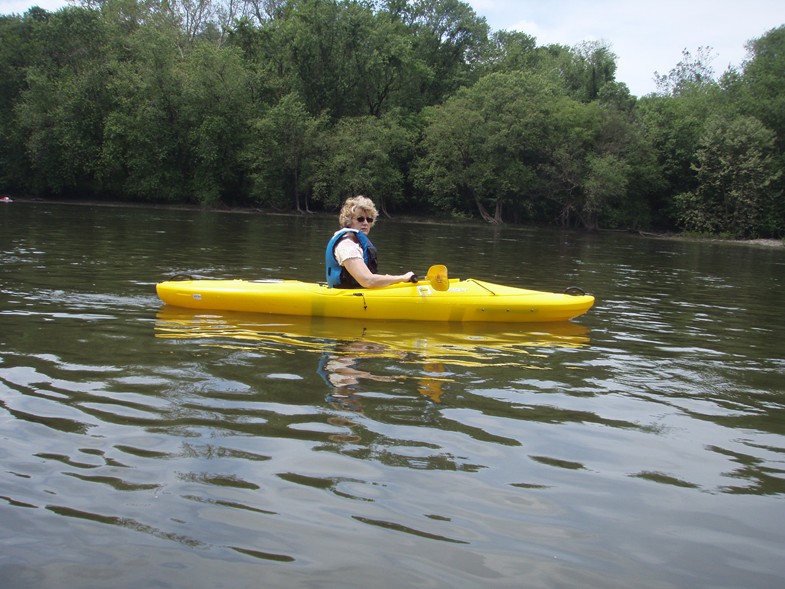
<point x="497" y="217"/>
<point x="486" y="216"/>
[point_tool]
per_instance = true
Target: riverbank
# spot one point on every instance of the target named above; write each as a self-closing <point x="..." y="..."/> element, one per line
<point x="766" y="242"/>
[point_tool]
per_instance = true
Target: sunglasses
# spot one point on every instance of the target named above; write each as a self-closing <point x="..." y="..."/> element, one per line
<point x="364" y="219"/>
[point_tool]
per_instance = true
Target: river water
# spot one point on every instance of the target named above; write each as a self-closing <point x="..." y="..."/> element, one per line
<point x="642" y="445"/>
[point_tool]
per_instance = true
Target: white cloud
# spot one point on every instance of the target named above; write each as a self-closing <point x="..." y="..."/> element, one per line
<point x="529" y="27"/>
<point x="647" y="36"/>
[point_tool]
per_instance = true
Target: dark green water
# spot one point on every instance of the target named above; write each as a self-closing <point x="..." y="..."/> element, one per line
<point x="640" y="446"/>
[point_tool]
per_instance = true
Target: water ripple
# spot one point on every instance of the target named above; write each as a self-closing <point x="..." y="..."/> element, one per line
<point x="642" y="447"/>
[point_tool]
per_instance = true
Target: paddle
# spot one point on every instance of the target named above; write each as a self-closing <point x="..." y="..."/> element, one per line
<point x="437" y="276"/>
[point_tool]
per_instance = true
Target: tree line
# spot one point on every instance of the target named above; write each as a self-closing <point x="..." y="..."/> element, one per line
<point x="296" y="104"/>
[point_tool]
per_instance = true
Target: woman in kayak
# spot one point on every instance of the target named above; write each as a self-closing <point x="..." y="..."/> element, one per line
<point x="350" y="258"/>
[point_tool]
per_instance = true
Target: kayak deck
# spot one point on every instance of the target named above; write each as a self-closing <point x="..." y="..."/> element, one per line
<point x="467" y="300"/>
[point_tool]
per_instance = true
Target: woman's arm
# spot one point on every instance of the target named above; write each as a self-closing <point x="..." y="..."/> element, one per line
<point x="367" y="279"/>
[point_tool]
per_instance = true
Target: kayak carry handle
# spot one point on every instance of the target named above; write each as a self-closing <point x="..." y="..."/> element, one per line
<point x="574" y="291"/>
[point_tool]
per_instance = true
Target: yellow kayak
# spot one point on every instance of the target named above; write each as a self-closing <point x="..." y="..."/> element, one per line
<point x="466" y="300"/>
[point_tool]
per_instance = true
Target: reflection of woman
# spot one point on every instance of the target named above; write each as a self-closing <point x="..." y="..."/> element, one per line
<point x="350" y="259"/>
<point x="339" y="370"/>
<point x="339" y="367"/>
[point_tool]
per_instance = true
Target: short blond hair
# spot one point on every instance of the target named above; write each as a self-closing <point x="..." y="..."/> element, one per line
<point x="354" y="205"/>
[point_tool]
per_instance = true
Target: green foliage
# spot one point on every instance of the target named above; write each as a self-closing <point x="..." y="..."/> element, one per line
<point x="483" y="144"/>
<point x="316" y="35"/>
<point x="590" y="67"/>
<point x="362" y="155"/>
<point x="281" y="154"/>
<point x="144" y="152"/>
<point x="690" y="74"/>
<point x="61" y="105"/>
<point x="737" y="176"/>
<point x="509" y="51"/>
<point x="216" y="108"/>
<point x="449" y="38"/>
<point x="762" y="92"/>
<point x="606" y="184"/>
<point x="296" y="104"/>
<point x="574" y="131"/>
<point x="673" y="126"/>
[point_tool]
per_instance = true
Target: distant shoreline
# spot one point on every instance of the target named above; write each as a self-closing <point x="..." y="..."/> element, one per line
<point x="768" y="242"/>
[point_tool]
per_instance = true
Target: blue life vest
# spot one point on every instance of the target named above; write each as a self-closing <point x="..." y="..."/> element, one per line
<point x="338" y="276"/>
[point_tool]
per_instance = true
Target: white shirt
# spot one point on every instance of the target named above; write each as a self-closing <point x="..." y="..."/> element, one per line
<point x="347" y="249"/>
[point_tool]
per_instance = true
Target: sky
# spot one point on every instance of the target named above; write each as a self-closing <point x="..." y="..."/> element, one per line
<point x="647" y="36"/>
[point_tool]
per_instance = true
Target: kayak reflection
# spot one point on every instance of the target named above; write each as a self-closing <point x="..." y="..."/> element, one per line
<point x="432" y="340"/>
<point x="343" y="345"/>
